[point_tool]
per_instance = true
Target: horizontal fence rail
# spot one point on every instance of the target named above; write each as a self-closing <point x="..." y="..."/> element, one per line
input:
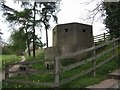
<point x="8" y="61"/>
<point x="34" y="72"/>
<point x="28" y="72"/>
<point x="31" y="83"/>
<point x="59" y="68"/>
<point x="101" y="37"/>
<point x="86" y="50"/>
<point x="27" y="62"/>
<point x="85" y="72"/>
<point x="91" y="59"/>
<point x="87" y="60"/>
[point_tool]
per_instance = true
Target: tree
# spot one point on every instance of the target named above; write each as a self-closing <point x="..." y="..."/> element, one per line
<point x="21" y="17"/>
<point x="38" y="43"/>
<point x="111" y="14"/>
<point x="34" y="23"/>
<point x="112" y="20"/>
<point x="95" y="13"/>
<point x="47" y="12"/>
<point x="18" y="40"/>
<point x="29" y="20"/>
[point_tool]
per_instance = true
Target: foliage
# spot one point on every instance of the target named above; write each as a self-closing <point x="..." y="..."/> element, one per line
<point x="18" y="40"/>
<point x="6" y="57"/>
<point x="7" y="50"/>
<point x="81" y="82"/>
<point x="22" y="17"/>
<point x="49" y="10"/>
<point x="109" y="12"/>
<point x="112" y="20"/>
<point x="40" y="55"/>
<point x="18" y="17"/>
<point x="31" y="17"/>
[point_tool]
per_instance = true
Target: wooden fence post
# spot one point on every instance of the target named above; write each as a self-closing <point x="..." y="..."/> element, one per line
<point x="57" y="66"/>
<point x="6" y="71"/>
<point x="94" y="62"/>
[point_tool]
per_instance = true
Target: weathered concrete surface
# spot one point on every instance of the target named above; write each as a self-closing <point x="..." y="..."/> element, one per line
<point x="77" y="34"/>
<point x="51" y="53"/>
<point x="108" y="83"/>
<point x="113" y="82"/>
<point x="117" y="85"/>
<point x="70" y="37"/>
<point x="115" y="74"/>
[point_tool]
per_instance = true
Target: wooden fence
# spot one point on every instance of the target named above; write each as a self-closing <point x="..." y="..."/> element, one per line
<point x="59" y="68"/>
<point x="101" y="38"/>
<point x="7" y="61"/>
<point x="27" y="72"/>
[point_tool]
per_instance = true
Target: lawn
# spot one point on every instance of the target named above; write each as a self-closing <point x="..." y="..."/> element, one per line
<point x="7" y="59"/>
<point x="81" y="82"/>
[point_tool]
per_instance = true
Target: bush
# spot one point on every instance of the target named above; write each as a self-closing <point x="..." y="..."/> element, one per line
<point x="7" y="51"/>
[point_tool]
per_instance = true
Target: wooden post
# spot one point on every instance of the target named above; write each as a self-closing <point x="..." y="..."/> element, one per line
<point x="94" y="62"/>
<point x="6" y="71"/>
<point x="104" y="37"/>
<point x="57" y="66"/>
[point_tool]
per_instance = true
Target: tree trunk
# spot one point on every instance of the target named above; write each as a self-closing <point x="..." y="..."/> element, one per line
<point x="34" y="30"/>
<point x="27" y="38"/>
<point x="28" y="43"/>
<point x="46" y="28"/>
<point x="46" y="36"/>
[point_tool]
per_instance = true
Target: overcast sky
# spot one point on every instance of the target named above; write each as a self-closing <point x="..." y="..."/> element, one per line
<point x="71" y="11"/>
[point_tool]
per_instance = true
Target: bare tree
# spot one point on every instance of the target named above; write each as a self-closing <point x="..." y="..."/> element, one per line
<point x="96" y="13"/>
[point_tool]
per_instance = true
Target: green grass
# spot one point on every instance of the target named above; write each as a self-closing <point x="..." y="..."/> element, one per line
<point x="87" y="80"/>
<point x="81" y="82"/>
<point x="8" y="57"/>
<point x="77" y="83"/>
<point x="14" y="58"/>
<point x="39" y="55"/>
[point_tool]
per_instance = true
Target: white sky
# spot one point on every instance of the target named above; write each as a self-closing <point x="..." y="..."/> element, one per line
<point x="71" y="11"/>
